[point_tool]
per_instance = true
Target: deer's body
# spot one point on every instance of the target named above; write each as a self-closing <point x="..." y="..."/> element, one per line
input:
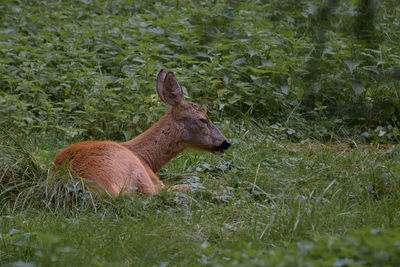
<point x="122" y="167"/>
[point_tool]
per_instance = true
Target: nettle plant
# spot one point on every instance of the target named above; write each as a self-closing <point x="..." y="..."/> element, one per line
<point x="88" y="74"/>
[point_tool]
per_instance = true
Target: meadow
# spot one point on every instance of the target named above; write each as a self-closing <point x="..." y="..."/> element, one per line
<point x="306" y="91"/>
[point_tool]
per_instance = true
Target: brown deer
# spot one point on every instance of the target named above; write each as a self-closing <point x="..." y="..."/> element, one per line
<point x="124" y="167"/>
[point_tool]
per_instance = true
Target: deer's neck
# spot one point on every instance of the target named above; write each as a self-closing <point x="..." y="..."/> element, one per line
<point x="159" y="144"/>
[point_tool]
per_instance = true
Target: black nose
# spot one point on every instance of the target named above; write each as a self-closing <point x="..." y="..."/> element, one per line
<point x="225" y="145"/>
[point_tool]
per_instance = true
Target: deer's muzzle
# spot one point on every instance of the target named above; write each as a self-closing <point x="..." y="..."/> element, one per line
<point x="222" y="147"/>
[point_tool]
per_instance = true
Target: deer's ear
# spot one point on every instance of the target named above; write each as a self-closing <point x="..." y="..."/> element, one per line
<point x="171" y="92"/>
<point x="160" y="84"/>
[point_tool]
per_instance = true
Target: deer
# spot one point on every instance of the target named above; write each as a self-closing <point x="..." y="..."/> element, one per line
<point x="121" y="168"/>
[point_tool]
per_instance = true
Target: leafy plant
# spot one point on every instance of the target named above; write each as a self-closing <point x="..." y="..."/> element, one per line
<point x="88" y="69"/>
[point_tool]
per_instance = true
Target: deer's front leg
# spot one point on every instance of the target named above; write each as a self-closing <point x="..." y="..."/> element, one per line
<point x="180" y="187"/>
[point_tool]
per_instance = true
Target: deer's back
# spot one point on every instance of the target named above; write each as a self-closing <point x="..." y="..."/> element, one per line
<point x="109" y="164"/>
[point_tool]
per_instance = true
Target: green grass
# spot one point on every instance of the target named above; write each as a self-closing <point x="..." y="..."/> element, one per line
<point x="261" y="197"/>
<point x="299" y="87"/>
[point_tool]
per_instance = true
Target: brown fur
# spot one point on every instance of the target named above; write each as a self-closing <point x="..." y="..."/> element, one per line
<point x="118" y="166"/>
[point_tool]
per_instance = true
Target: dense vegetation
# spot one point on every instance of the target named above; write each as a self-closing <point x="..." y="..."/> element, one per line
<point x="87" y="68"/>
<point x="307" y="91"/>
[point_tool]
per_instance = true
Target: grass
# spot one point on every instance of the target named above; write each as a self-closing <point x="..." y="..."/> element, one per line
<point x="294" y="71"/>
<point x="262" y="197"/>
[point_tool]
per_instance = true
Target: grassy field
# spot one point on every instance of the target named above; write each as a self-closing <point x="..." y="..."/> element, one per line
<point x="265" y="201"/>
<point x="306" y="91"/>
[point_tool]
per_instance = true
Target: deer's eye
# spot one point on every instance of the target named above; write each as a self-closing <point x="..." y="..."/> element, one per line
<point x="204" y="121"/>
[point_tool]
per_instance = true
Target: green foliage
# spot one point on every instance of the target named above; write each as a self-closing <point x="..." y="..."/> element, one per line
<point x="367" y="247"/>
<point x="264" y="201"/>
<point x="87" y="68"/>
<point x="290" y="70"/>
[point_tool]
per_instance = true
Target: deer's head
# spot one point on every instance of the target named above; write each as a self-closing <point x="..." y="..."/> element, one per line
<point x="196" y="129"/>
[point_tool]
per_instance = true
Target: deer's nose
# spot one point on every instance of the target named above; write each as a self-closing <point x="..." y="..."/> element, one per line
<point x="225" y="145"/>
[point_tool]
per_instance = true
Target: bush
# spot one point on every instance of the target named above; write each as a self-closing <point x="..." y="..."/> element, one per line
<point x="87" y="69"/>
